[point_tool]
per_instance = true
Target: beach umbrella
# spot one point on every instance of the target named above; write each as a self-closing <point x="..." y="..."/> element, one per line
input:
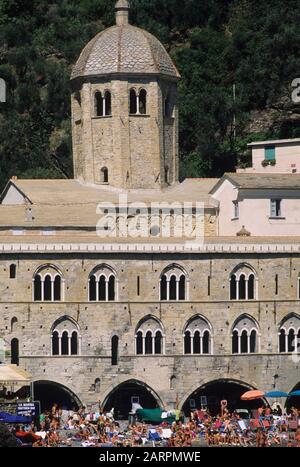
<point x="276" y="394"/>
<point x="252" y="395"/>
<point x="294" y="393"/>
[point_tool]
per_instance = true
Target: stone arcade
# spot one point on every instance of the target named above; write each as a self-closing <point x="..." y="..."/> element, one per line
<point x="155" y="320"/>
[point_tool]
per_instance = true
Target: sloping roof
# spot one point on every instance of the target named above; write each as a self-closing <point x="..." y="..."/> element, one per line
<point x="258" y="181"/>
<point x="275" y="141"/>
<point x="69" y="203"/>
<point x="12" y="374"/>
<point x="124" y="49"/>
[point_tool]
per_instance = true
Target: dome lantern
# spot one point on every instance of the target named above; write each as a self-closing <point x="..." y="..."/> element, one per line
<point x="122" y="13"/>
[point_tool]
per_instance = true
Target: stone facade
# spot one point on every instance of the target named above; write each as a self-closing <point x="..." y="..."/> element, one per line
<point x="47" y="230"/>
<point x="98" y="322"/>
<point x="137" y="150"/>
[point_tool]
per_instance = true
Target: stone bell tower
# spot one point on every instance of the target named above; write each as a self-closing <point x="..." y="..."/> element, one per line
<point x="125" y="110"/>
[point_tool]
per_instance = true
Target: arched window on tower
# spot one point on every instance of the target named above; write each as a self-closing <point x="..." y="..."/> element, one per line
<point x="168" y="108"/>
<point x="133" y="102"/>
<point x="65" y="337"/>
<point x="102" y="104"/>
<point x="149" y="337"/>
<point x="143" y="102"/>
<point x="107" y="99"/>
<point x="198" y="336"/>
<point x="245" y="335"/>
<point x="99" y="104"/>
<point x="138" y="102"/>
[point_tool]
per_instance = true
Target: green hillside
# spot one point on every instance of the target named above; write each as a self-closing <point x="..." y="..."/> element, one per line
<point x="252" y="44"/>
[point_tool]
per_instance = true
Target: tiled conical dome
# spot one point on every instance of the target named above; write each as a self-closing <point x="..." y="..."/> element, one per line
<point x="124" y="49"/>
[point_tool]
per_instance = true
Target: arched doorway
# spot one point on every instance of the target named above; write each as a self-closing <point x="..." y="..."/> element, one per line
<point x="123" y="396"/>
<point x="49" y="392"/>
<point x="210" y="395"/>
<point x="293" y="401"/>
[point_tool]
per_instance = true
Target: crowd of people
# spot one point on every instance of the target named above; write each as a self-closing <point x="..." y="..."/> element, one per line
<point x="58" y="427"/>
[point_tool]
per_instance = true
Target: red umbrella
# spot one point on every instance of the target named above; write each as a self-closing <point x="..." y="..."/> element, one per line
<point x="252" y="395"/>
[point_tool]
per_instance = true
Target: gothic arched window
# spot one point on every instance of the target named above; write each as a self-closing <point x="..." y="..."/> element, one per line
<point x="65" y="337"/>
<point x="48" y="285"/>
<point x="173" y="284"/>
<point x="149" y="337"/>
<point x="243" y="284"/>
<point x="245" y="335"/>
<point x="289" y="334"/>
<point x="102" y="285"/>
<point x="198" y="336"/>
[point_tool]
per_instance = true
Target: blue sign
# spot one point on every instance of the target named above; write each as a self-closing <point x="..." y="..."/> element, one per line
<point x="28" y="409"/>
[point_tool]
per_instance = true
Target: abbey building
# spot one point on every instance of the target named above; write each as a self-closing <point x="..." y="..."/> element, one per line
<point x="93" y="314"/>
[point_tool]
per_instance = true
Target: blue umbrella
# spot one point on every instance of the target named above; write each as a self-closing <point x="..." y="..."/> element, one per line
<point x="294" y="393"/>
<point x="277" y="394"/>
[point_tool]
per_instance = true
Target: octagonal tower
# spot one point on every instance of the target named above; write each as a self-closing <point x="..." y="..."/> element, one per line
<point x="124" y="109"/>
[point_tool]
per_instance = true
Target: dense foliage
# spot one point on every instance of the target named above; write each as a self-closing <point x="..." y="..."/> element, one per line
<point x="252" y="44"/>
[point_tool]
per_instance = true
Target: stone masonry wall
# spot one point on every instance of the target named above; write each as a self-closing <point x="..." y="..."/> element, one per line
<point x="98" y="322"/>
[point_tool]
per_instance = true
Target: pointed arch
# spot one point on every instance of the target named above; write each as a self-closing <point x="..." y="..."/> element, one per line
<point x="173" y="283"/>
<point x="245" y="335"/>
<point x="48" y="283"/>
<point x="243" y="282"/>
<point x="102" y="284"/>
<point x="288" y="332"/>
<point x="197" y="336"/>
<point x="149" y="336"/>
<point x="65" y="337"/>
